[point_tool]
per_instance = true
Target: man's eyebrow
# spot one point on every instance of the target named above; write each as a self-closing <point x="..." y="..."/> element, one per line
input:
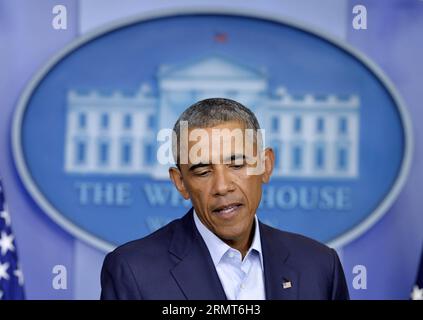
<point x="231" y="159"/>
<point x="198" y="165"/>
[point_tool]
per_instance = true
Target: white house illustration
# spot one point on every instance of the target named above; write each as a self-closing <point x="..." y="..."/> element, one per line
<point x="313" y="136"/>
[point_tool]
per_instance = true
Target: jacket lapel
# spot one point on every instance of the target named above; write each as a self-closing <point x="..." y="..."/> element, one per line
<point x="281" y="280"/>
<point x="194" y="272"/>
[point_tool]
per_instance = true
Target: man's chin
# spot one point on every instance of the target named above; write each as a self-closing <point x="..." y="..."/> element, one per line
<point x="230" y="235"/>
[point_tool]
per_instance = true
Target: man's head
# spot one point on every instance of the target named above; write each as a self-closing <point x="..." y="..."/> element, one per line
<point x="217" y="175"/>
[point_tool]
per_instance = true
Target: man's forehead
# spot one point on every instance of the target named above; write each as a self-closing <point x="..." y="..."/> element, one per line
<point x="217" y="147"/>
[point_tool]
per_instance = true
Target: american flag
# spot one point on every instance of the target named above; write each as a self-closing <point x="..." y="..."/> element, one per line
<point x="11" y="277"/>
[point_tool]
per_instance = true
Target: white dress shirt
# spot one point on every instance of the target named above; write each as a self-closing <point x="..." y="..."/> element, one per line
<point x="242" y="279"/>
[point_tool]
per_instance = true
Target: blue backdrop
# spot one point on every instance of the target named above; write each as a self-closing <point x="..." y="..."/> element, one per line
<point x="390" y="250"/>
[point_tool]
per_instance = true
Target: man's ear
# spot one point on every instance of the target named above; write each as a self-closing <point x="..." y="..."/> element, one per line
<point x="269" y="162"/>
<point x="176" y="177"/>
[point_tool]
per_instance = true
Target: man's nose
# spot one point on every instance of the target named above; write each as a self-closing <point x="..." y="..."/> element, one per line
<point x="222" y="183"/>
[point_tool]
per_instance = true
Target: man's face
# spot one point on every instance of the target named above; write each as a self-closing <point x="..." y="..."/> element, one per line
<point x="223" y="194"/>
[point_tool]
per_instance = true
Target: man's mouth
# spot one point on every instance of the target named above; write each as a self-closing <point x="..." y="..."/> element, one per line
<point x="227" y="211"/>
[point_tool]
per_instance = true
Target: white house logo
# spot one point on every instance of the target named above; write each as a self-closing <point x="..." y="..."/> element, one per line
<point x="85" y="133"/>
<point x="116" y="134"/>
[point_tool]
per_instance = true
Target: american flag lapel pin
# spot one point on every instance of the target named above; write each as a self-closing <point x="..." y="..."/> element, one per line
<point x="286" y="284"/>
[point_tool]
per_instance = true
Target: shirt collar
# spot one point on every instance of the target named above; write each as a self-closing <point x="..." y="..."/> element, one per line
<point x="218" y="248"/>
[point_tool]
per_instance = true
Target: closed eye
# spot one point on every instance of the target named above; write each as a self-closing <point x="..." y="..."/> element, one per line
<point x="237" y="166"/>
<point x="202" y="173"/>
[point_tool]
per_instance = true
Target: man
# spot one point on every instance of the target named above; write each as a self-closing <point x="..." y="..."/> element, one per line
<point x="219" y="249"/>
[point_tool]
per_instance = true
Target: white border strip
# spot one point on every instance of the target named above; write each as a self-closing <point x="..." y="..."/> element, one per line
<point x="105" y="246"/>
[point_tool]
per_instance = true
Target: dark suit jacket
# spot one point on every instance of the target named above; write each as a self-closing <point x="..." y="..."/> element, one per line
<point x="174" y="263"/>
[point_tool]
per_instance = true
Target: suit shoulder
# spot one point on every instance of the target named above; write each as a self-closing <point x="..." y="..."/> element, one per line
<point x="299" y="244"/>
<point x="148" y="246"/>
